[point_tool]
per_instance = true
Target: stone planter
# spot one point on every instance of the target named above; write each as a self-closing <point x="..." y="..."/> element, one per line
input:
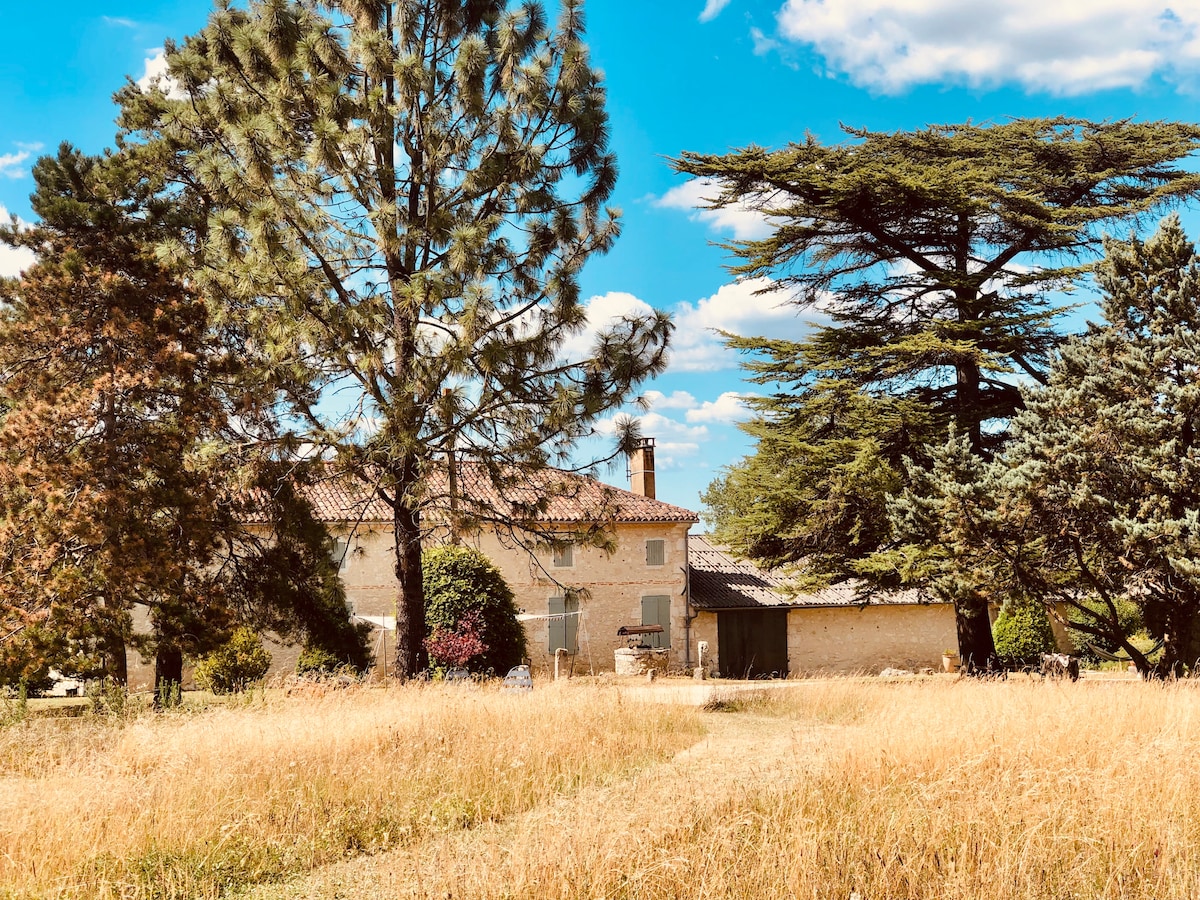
<point x="639" y="661"/>
<point x="949" y="662"/>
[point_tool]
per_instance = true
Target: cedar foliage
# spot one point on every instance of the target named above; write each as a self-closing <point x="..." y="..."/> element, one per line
<point x="936" y="254"/>
<point x="399" y="197"/>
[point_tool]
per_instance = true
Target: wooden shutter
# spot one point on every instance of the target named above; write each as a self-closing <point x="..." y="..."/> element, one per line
<point x="657" y="611"/>
<point x="564" y="632"/>
<point x="656" y="553"/>
<point x="558" y="635"/>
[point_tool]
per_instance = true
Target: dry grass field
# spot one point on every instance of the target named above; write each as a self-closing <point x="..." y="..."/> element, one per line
<point x="920" y="788"/>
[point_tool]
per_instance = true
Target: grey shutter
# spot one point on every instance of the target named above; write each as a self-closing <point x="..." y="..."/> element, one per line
<point x="657" y="611"/>
<point x="571" y="625"/>
<point x="656" y="553"/>
<point x="564" y="632"/>
<point x="558" y="633"/>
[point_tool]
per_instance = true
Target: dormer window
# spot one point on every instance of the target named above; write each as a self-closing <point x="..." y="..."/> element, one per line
<point x="656" y="553"/>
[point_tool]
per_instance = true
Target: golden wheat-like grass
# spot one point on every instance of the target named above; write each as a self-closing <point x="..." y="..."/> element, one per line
<point x="916" y="789"/>
<point x="190" y="805"/>
<point x="929" y="788"/>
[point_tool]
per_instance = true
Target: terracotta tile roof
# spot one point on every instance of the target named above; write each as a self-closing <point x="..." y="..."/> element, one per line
<point x="546" y="496"/>
<point x="721" y="581"/>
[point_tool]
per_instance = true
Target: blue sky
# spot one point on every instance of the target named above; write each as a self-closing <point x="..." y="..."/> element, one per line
<point x="703" y="75"/>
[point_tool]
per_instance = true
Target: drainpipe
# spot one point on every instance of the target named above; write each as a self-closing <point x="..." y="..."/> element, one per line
<point x="687" y="605"/>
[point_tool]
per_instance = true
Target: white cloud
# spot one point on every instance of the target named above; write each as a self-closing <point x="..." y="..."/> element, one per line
<point x="712" y="9"/>
<point x="743" y="220"/>
<point x="657" y="425"/>
<point x="1064" y="47"/>
<point x="727" y="409"/>
<point x="11" y="164"/>
<point x="156" y="75"/>
<point x="603" y="311"/>
<point x="763" y="44"/>
<point x="677" y="400"/>
<point x="740" y="309"/>
<point x="696" y="345"/>
<point x="14" y="260"/>
<point x="674" y="455"/>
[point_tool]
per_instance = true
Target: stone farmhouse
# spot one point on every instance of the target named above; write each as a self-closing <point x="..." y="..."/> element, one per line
<point x="726" y="615"/>
<point x="571" y="596"/>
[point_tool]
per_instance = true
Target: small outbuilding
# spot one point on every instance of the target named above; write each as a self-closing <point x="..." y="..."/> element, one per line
<point x="755" y="627"/>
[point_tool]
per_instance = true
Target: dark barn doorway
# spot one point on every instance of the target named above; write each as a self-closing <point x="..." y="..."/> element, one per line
<point x="752" y="643"/>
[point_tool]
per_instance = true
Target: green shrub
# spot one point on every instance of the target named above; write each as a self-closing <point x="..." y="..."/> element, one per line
<point x="1022" y="633"/>
<point x="317" y="661"/>
<point x="460" y="581"/>
<point x="233" y="667"/>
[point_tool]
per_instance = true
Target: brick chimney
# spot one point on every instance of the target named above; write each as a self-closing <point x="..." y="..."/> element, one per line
<point x="641" y="468"/>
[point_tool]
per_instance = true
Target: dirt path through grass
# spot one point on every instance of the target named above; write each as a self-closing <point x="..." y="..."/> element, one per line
<point x="624" y="825"/>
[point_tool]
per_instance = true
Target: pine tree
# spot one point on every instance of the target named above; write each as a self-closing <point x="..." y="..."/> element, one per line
<point x="937" y="254"/>
<point x="135" y="451"/>
<point x="107" y="368"/>
<point x="400" y="196"/>
<point x="1099" y="492"/>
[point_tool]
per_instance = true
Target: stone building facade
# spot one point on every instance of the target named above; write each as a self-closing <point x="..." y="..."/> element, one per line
<point x="754" y="626"/>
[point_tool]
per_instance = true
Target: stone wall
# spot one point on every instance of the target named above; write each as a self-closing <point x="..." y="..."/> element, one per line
<point x="871" y="638"/>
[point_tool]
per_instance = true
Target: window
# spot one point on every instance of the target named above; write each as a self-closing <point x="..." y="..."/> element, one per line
<point x="657" y="611"/>
<point x="564" y="557"/>
<point x="656" y="553"/>
<point x="341" y="553"/>
<point x="564" y="632"/>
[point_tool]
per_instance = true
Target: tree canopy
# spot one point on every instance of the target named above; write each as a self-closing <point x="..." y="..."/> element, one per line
<point x="399" y="197"/>
<point x="939" y="255"/>
<point x="135" y="454"/>
<point x="109" y="391"/>
<point x="1097" y="499"/>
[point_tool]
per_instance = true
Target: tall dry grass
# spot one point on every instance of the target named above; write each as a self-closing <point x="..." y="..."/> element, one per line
<point x="905" y="790"/>
<point x="194" y="805"/>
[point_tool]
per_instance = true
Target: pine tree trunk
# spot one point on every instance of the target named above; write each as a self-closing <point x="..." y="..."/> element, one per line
<point x="410" y="603"/>
<point x="976" y="647"/>
<point x="168" y="671"/>
<point x="116" y="663"/>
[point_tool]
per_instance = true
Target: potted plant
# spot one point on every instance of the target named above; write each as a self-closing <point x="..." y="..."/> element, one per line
<point x="949" y="660"/>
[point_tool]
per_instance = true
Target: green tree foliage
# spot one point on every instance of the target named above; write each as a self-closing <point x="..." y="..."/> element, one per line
<point x="1129" y="624"/>
<point x="289" y="574"/>
<point x="1022" y="632"/>
<point x="1099" y="493"/>
<point x="399" y="199"/>
<point x="462" y="584"/>
<point x="936" y="255"/>
<point x="107" y="374"/>
<point x="235" y="665"/>
<point x="135" y="452"/>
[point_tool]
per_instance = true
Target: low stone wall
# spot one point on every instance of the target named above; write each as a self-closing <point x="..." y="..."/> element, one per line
<point x="638" y="661"/>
